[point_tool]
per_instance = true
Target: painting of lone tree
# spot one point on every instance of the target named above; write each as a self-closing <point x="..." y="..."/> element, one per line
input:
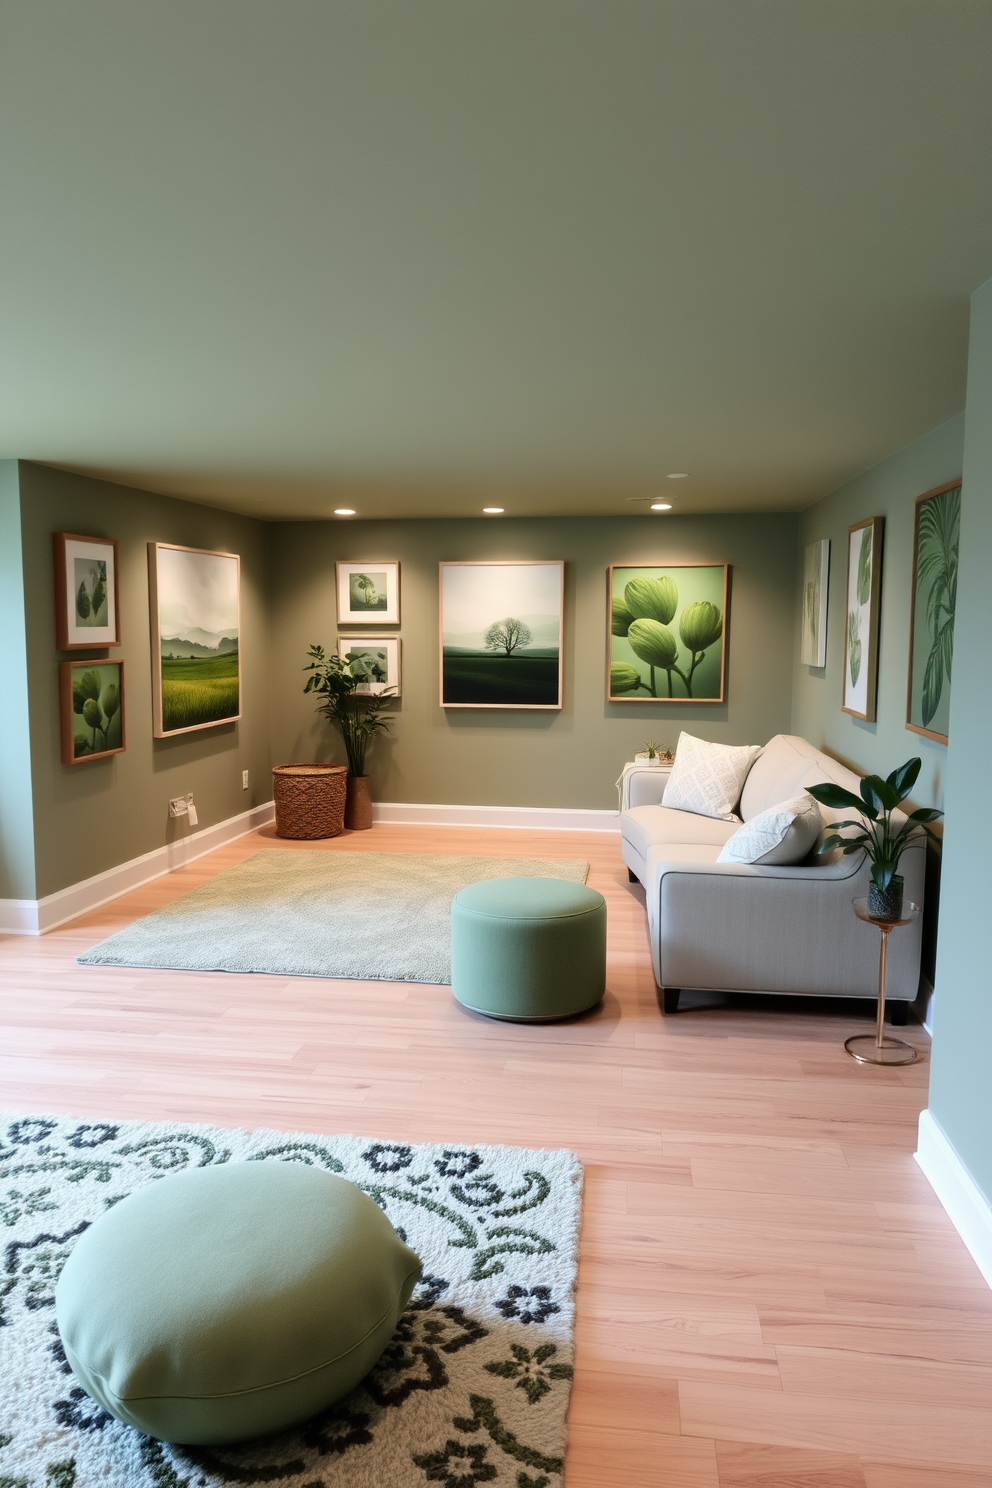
<point x="501" y="635"/>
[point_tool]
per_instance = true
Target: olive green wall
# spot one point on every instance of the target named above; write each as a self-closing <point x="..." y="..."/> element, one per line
<point x="566" y="759"/>
<point x="890" y="490"/>
<point x="16" y="828"/>
<point x="960" y="1088"/>
<point x="92" y="816"/>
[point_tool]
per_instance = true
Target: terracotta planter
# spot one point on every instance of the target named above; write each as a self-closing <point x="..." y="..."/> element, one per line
<point x="358" y="808"/>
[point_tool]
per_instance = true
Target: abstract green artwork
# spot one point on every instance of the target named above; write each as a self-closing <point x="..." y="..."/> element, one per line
<point x="934" y="594"/>
<point x="667" y="633"/>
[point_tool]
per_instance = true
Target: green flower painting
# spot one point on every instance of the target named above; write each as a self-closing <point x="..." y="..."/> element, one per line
<point x="92" y="709"/>
<point x="668" y="634"/>
<point x="935" y="585"/>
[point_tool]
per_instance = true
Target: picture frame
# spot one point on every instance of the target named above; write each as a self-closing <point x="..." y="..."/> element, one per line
<point x="680" y="611"/>
<point x="933" y="593"/>
<point x="381" y="653"/>
<point x="500" y="634"/>
<point x="816" y="580"/>
<point x="861" y="611"/>
<point x="195" y="602"/>
<point x="92" y="704"/>
<point x="86" y="569"/>
<point x="368" y="593"/>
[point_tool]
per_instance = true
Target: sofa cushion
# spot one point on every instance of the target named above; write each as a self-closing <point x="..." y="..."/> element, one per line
<point x="777" y="774"/>
<point x="707" y="778"/>
<point x="650" y="826"/>
<point x="783" y="834"/>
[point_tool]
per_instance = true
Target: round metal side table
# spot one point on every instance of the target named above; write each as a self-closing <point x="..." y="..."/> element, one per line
<point x="868" y="1048"/>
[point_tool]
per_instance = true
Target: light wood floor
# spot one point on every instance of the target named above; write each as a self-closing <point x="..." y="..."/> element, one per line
<point x="769" y="1293"/>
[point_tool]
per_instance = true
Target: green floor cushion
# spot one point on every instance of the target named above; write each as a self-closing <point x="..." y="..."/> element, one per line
<point x="528" y="949"/>
<point x="228" y="1302"/>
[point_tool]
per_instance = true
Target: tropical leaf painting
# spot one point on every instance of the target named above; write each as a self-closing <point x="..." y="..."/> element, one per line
<point x="816" y="569"/>
<point x="864" y="554"/>
<point x="938" y="526"/>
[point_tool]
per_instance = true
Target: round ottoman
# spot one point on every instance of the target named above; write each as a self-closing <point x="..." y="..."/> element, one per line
<point x="528" y="949"/>
<point x="228" y="1302"/>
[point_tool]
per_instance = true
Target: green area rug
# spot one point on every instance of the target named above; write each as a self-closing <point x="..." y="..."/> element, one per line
<point x="301" y="912"/>
<point x="473" y="1387"/>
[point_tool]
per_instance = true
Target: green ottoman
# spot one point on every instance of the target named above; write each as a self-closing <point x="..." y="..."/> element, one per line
<point x="227" y="1302"/>
<point x="528" y="949"/>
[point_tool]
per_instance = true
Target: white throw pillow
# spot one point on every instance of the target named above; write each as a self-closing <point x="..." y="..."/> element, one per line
<point x="708" y="778"/>
<point x="781" y="835"/>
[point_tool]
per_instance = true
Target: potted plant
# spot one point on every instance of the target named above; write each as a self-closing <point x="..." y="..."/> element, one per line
<point x="345" y="699"/>
<point x="651" y="753"/>
<point x="876" y="837"/>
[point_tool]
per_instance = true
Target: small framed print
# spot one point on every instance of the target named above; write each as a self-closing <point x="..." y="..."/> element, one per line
<point x="92" y="705"/>
<point x="87" y="608"/>
<point x="374" y="660"/>
<point x="816" y="577"/>
<point x="368" y="593"/>
<point x="864" y="593"/>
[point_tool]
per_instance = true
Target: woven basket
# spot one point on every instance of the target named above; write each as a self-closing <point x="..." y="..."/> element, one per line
<point x="309" y="799"/>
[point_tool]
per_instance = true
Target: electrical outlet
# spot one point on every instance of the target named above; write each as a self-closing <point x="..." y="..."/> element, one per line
<point x="244" y="779"/>
<point x="178" y="806"/>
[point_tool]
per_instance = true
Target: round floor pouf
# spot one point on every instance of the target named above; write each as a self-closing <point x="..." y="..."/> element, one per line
<point x="528" y="949"/>
<point x="227" y="1302"/>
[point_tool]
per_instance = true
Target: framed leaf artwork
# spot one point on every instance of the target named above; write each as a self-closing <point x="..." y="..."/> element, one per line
<point x="87" y="609"/>
<point x="374" y="660"/>
<point x="92" y="708"/>
<point x="501" y="634"/>
<point x="864" y="591"/>
<point x="936" y="534"/>
<point x="667" y="633"/>
<point x="195" y="598"/>
<point x="368" y="593"/>
<point x="816" y="576"/>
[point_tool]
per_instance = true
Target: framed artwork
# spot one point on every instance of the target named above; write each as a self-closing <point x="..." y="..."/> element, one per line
<point x="87" y="609"/>
<point x="864" y="590"/>
<point x="667" y="633"/>
<point x="92" y="707"/>
<point x="816" y="575"/>
<point x="374" y="659"/>
<point x="936" y="533"/>
<point x="501" y="643"/>
<point x="368" y="592"/>
<point x="196" y="619"/>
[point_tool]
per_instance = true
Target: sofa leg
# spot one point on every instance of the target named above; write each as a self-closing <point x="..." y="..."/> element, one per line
<point x="632" y="876"/>
<point x="897" y="1012"/>
<point x="671" y="999"/>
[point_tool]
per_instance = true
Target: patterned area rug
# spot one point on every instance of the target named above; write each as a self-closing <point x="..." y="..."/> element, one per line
<point x="377" y="916"/>
<point x="472" y="1389"/>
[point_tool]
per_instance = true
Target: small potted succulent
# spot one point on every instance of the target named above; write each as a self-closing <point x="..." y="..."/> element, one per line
<point x="881" y="843"/>
<point x="651" y="753"/>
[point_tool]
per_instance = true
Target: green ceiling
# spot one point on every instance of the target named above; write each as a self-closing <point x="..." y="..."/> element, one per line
<point x="417" y="256"/>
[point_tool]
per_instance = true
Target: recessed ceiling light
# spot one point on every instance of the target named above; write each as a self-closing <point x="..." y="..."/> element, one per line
<point x="678" y="475"/>
<point x="344" y="511"/>
<point x="661" y="506"/>
<point x="493" y="511"/>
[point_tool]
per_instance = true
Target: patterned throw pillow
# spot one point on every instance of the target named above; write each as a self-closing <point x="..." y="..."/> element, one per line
<point x="708" y="778"/>
<point x="782" y="835"/>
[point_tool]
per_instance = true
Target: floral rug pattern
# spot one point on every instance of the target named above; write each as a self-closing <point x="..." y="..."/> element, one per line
<point x="472" y="1388"/>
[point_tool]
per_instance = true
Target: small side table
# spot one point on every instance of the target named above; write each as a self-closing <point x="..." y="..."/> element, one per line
<point x="875" y="1048"/>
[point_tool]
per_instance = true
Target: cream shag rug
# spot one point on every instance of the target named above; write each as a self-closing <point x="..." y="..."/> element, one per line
<point x="472" y="1389"/>
<point x="301" y="912"/>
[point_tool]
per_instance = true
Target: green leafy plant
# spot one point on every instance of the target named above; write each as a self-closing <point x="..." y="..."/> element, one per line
<point x="367" y="587"/>
<point x="359" y="715"/>
<point x="937" y="566"/>
<point x="864" y="567"/>
<point x="83" y="605"/>
<point x="650" y="748"/>
<point x="882" y="843"/>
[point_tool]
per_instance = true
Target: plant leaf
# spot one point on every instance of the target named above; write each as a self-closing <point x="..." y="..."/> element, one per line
<point x="903" y="779"/>
<point x="834" y="796"/>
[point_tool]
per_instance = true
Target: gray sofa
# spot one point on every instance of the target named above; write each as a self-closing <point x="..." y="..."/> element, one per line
<point x="730" y="927"/>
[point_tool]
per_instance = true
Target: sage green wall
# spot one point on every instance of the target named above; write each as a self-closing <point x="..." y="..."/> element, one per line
<point x="889" y="490"/>
<point x="571" y="758"/>
<point x="92" y="816"/>
<point x="960" y="1088"/>
<point x="16" y="828"/>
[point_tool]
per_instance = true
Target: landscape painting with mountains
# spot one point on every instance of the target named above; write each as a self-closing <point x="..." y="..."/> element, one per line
<point x="198" y="622"/>
<point x="501" y="635"/>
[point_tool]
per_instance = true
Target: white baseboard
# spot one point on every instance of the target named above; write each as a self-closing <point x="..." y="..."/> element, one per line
<point x="36" y="916"/>
<point x="967" y="1207"/>
<point x="537" y="818"/>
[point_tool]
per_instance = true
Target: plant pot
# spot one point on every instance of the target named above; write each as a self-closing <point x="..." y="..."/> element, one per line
<point x="885" y="904"/>
<point x="358" y="808"/>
